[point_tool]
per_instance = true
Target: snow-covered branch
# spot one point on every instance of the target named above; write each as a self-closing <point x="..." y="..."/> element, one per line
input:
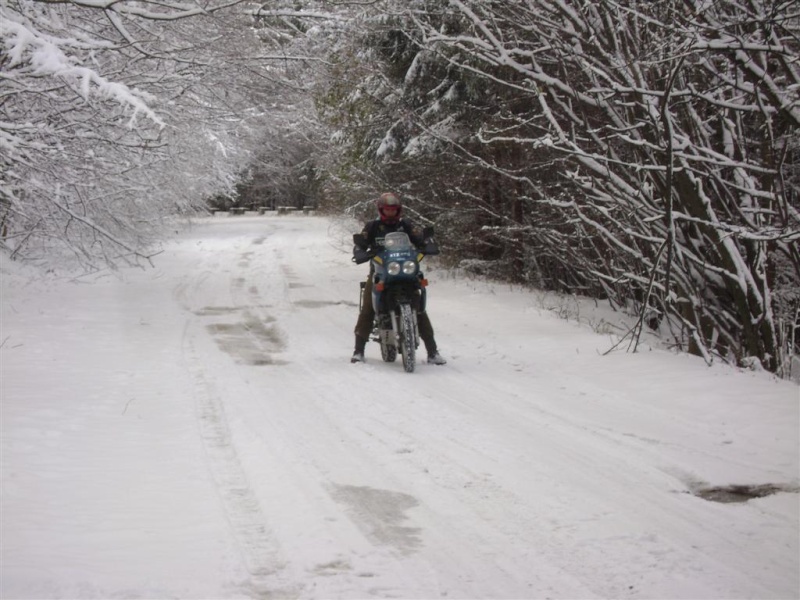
<point x="621" y="129"/>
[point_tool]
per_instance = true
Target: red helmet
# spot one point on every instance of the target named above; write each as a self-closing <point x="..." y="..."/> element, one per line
<point x="390" y="207"/>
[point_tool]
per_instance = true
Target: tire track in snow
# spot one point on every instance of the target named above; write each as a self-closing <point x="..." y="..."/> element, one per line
<point x="255" y="540"/>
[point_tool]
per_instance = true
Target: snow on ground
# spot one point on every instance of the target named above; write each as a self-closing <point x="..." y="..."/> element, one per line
<point x="195" y="430"/>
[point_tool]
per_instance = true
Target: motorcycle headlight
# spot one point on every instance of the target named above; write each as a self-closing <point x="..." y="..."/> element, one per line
<point x="393" y="268"/>
<point x="409" y="267"/>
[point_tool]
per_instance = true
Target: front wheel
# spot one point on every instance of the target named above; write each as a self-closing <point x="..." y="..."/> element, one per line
<point x="407" y="337"/>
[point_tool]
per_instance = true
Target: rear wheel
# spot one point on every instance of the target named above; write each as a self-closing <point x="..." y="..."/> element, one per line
<point x="407" y="337"/>
<point x="386" y="337"/>
<point x="388" y="352"/>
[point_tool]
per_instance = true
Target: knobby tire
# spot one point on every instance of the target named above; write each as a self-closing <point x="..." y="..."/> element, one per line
<point x="406" y="337"/>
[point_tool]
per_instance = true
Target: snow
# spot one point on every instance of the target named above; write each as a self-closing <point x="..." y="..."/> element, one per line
<point x="195" y="430"/>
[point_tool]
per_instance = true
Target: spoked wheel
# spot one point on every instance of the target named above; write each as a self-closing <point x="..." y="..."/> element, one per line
<point x="407" y="338"/>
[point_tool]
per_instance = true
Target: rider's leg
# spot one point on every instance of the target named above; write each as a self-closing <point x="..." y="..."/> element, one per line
<point x="365" y="319"/>
<point x="426" y="333"/>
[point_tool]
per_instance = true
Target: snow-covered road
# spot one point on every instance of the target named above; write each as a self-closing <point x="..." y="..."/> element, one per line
<point x="197" y="431"/>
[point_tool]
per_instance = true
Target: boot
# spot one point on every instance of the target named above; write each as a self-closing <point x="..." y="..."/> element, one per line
<point x="358" y="354"/>
<point x="434" y="358"/>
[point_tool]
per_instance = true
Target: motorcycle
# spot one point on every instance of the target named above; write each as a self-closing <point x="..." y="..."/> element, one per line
<point x="398" y="292"/>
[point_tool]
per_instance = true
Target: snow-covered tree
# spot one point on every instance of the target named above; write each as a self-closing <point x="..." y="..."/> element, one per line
<point x="118" y="115"/>
<point x="643" y="152"/>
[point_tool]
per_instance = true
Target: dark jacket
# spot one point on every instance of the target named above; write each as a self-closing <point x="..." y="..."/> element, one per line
<point x="374" y="232"/>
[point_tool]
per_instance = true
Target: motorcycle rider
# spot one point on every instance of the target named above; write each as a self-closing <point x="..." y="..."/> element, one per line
<point x="390" y="219"/>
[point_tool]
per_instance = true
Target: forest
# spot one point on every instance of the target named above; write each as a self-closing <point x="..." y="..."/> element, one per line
<point x="645" y="154"/>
